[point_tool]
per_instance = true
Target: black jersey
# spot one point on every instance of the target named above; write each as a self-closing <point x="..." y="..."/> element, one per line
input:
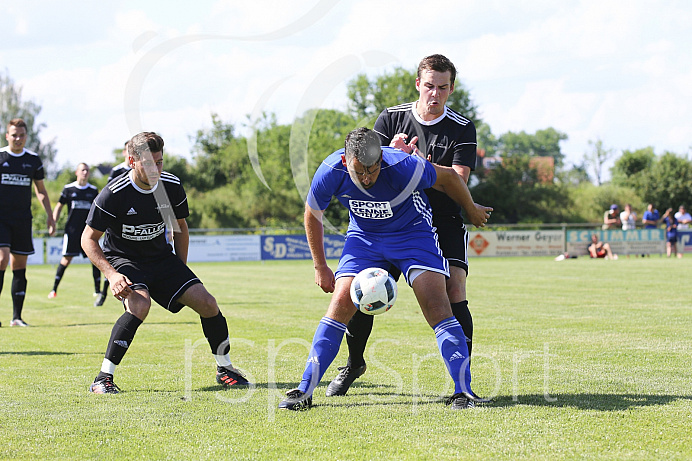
<point x="78" y="200"/>
<point x="16" y="173"/>
<point x="119" y="169"/>
<point x="449" y="139"/>
<point x="131" y="218"/>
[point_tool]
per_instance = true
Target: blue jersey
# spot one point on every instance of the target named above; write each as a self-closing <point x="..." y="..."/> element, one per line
<point x="396" y="201"/>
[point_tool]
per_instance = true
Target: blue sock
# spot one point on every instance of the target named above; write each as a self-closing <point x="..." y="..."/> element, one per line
<point x="325" y="346"/>
<point x="452" y="344"/>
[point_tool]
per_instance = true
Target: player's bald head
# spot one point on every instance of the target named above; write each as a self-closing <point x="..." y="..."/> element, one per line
<point x="363" y="145"/>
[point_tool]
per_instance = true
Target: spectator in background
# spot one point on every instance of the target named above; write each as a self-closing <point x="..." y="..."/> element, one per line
<point x="684" y="218"/>
<point x="628" y="218"/>
<point x="611" y="218"/>
<point x="671" y="233"/>
<point x="651" y="217"/>
<point x="598" y="249"/>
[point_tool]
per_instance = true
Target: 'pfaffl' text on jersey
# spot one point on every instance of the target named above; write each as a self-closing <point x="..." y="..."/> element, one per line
<point x="16" y="174"/>
<point x="450" y="140"/>
<point x="78" y="200"/>
<point x="132" y="220"/>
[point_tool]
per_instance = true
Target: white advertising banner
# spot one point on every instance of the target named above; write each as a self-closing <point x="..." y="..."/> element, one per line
<point x="54" y="252"/>
<point x="206" y="248"/>
<point x="516" y="243"/>
<point x="37" y="257"/>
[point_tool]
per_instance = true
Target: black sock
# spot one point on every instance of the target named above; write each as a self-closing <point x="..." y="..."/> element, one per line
<point x="357" y="334"/>
<point x="58" y="276"/>
<point x="216" y="331"/>
<point x="2" y="280"/>
<point x="106" y="284"/>
<point x="97" y="278"/>
<point x="18" y="292"/>
<point x="121" y="337"/>
<point x="463" y="316"/>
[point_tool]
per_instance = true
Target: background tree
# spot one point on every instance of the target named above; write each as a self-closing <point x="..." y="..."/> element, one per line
<point x="667" y="183"/>
<point x="518" y="195"/>
<point x="543" y="143"/>
<point x="12" y="106"/>
<point x="597" y="157"/>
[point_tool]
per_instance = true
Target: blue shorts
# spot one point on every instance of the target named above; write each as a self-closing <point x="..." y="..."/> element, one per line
<point x="405" y="250"/>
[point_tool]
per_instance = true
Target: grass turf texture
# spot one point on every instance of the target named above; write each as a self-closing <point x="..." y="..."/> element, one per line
<point x="585" y="359"/>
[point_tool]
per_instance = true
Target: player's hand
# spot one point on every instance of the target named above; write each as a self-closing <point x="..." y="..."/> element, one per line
<point x="399" y="142"/>
<point x="481" y="215"/>
<point x="324" y="278"/>
<point x="120" y="286"/>
<point x="51" y="226"/>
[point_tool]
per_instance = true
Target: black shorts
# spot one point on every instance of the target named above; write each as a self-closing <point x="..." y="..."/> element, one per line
<point x="72" y="245"/>
<point x="16" y="234"/>
<point x="165" y="279"/>
<point x="453" y="240"/>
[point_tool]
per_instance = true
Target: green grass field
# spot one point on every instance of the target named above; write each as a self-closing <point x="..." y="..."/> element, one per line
<point x="585" y="360"/>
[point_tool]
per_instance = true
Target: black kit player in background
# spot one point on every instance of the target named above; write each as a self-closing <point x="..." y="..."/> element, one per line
<point x="444" y="137"/>
<point x="140" y="265"/>
<point x="119" y="169"/>
<point x="18" y="169"/>
<point x="78" y="197"/>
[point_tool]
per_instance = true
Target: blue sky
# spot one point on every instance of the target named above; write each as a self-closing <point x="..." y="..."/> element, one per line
<point x="618" y="71"/>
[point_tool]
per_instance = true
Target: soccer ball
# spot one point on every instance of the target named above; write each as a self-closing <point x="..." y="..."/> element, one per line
<point x="373" y="291"/>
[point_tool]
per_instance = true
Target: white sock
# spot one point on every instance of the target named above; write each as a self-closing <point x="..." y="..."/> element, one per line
<point x="223" y="360"/>
<point x="108" y="367"/>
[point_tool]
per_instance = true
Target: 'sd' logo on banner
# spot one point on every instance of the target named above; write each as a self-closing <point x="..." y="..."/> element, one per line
<point x="478" y="244"/>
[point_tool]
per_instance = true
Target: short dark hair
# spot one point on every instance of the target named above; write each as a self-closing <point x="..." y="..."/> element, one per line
<point x="18" y="122"/>
<point x="363" y="144"/>
<point x="143" y="142"/>
<point x="438" y="63"/>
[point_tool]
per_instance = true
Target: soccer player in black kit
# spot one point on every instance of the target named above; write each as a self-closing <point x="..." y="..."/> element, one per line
<point x="444" y="137"/>
<point x="19" y="167"/>
<point x="133" y="212"/>
<point x="78" y="197"/>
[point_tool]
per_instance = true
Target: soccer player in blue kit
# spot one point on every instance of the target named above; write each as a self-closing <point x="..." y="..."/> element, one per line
<point x="133" y="212"/>
<point x="429" y="128"/>
<point x="390" y="222"/>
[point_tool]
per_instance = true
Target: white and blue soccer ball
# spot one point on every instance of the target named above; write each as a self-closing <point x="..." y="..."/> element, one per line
<point x="373" y="291"/>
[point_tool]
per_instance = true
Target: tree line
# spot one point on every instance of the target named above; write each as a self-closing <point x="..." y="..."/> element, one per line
<point x="257" y="174"/>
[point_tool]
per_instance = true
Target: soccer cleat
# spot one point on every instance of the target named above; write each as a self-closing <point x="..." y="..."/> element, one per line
<point x="343" y="381"/>
<point x="104" y="386"/>
<point x="52" y="294"/>
<point x="230" y="377"/>
<point x="100" y="299"/>
<point x="296" y="400"/>
<point x="464" y="400"/>
<point x="18" y="323"/>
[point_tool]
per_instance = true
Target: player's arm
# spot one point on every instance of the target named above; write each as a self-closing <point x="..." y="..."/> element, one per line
<point x="463" y="171"/>
<point x="120" y="284"/>
<point x="56" y="212"/>
<point x="42" y="196"/>
<point x="181" y="240"/>
<point x="314" y="230"/>
<point x="449" y="182"/>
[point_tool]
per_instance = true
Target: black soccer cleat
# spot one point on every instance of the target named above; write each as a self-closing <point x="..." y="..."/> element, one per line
<point x="230" y="377"/>
<point x="343" y="381"/>
<point x="296" y="400"/>
<point x="100" y="299"/>
<point x="464" y="400"/>
<point x="104" y="386"/>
